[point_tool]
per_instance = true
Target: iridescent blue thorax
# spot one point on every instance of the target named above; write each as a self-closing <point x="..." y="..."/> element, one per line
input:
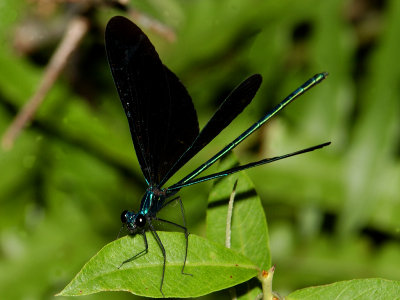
<point x="152" y="201"/>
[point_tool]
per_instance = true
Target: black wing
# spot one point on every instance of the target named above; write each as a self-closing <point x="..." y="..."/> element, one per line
<point x="230" y="108"/>
<point x="160" y="112"/>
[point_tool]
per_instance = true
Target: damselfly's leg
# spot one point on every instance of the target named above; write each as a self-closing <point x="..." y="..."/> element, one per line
<point x="146" y="246"/>
<point x="187" y="241"/>
<point x="184" y="228"/>
<point x="163" y="252"/>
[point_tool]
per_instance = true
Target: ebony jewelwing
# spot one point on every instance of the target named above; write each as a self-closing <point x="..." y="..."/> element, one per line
<point x="164" y="127"/>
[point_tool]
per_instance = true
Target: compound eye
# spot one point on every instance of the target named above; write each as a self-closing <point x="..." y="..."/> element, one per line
<point x="140" y="221"/>
<point x="124" y="220"/>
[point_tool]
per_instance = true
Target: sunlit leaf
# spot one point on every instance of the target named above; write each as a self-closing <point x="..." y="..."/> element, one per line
<point x="212" y="266"/>
<point x="374" y="289"/>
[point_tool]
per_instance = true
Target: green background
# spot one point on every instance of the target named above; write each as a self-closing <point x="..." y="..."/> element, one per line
<point x="332" y="214"/>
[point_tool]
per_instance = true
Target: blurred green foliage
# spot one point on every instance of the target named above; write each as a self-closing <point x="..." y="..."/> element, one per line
<point x="332" y="214"/>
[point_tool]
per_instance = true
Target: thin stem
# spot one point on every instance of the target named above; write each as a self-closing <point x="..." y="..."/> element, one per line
<point x="228" y="231"/>
<point x="229" y="217"/>
<point x="266" y="281"/>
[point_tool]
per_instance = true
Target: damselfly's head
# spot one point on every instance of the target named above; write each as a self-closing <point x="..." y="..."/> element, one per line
<point x="132" y="220"/>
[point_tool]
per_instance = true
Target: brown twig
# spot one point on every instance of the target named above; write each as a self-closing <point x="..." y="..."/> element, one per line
<point x="153" y="25"/>
<point x="76" y="30"/>
<point x="144" y="20"/>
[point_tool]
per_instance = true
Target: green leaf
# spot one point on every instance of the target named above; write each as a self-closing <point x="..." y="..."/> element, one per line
<point x="374" y="288"/>
<point x="249" y="231"/>
<point x="213" y="268"/>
